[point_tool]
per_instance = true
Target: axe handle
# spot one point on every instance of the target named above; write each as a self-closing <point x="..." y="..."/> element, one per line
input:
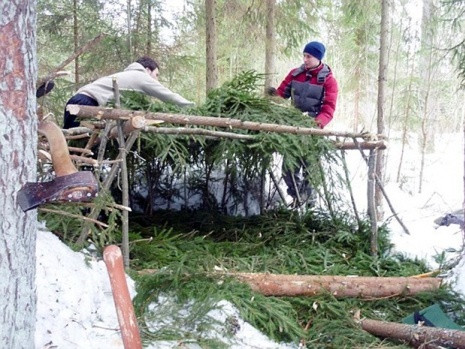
<point x="61" y="159"/>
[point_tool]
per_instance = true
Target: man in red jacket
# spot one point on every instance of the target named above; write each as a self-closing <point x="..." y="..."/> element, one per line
<point x="312" y="86"/>
<point x="313" y="90"/>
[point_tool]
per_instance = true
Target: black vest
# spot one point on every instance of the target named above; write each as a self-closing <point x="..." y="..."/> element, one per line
<point x="308" y="97"/>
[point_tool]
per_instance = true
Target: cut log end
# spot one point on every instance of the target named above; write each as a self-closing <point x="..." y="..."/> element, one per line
<point x="73" y="109"/>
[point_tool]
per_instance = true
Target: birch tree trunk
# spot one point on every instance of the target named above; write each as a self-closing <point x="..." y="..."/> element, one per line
<point x="382" y="78"/>
<point x="18" y="141"/>
<point x="270" y="43"/>
<point x="212" y="69"/>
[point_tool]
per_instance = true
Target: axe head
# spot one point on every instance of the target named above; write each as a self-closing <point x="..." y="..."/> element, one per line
<point x="76" y="187"/>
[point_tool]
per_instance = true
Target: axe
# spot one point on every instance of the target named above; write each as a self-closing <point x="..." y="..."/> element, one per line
<point x="69" y="185"/>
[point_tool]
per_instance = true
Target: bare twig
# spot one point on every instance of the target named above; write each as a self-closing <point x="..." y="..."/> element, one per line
<point x="72" y="215"/>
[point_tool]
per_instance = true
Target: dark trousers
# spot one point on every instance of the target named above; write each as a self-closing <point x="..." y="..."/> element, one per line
<point x="80" y="99"/>
<point x="297" y="182"/>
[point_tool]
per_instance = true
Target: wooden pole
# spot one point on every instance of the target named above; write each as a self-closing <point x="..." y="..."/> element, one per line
<point x="85" y="111"/>
<point x="124" y="176"/>
<point x="108" y="180"/>
<point x="378" y="182"/>
<point x="371" y="202"/>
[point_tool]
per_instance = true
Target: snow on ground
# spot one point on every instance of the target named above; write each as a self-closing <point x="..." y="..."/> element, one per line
<point x="75" y="307"/>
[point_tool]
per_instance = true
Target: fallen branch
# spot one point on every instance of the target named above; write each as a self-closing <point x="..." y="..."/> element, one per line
<point x="414" y="335"/>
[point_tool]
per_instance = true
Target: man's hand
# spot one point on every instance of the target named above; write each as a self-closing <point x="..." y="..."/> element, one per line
<point x="271" y="91"/>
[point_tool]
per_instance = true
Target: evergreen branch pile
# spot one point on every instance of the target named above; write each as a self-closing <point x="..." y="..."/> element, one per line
<point x="172" y="161"/>
<point x="188" y="256"/>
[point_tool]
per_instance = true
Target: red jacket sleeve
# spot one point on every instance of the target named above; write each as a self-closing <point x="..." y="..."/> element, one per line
<point x="329" y="102"/>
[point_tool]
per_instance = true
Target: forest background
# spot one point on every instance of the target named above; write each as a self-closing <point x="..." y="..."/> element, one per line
<point x="423" y="58"/>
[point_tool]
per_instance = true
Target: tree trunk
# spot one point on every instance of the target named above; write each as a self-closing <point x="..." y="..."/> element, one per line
<point x="414" y="335"/>
<point x="371" y="202"/>
<point x="357" y="95"/>
<point x="405" y="123"/>
<point x="18" y="143"/>
<point x="270" y="43"/>
<point x="148" y="49"/>
<point x="212" y="69"/>
<point x="426" y="74"/>
<point x="76" y="42"/>
<point x="382" y="78"/>
<point x="128" y="24"/>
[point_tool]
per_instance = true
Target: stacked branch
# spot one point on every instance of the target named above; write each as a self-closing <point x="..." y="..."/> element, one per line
<point x="370" y="141"/>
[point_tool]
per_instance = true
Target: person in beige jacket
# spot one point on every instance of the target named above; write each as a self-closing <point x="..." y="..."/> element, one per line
<point x="140" y="76"/>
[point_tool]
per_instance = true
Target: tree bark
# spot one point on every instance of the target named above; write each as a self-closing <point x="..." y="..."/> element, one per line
<point x="365" y="287"/>
<point x="405" y="123"/>
<point x="382" y="78"/>
<point x="76" y="42"/>
<point x="85" y="111"/>
<point x="414" y="335"/>
<point x="18" y="144"/>
<point x="270" y="43"/>
<point x="339" y="286"/>
<point x="212" y="69"/>
<point x="371" y="202"/>
<point x="148" y="48"/>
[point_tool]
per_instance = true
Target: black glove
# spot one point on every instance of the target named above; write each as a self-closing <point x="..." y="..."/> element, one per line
<point x="271" y="91"/>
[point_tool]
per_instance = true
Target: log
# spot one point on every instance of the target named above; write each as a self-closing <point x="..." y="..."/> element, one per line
<point x="414" y="335"/>
<point x="366" y="287"/>
<point x="133" y="124"/>
<point x="85" y="111"/>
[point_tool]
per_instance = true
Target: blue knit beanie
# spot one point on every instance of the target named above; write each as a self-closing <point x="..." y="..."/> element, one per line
<point x="316" y="49"/>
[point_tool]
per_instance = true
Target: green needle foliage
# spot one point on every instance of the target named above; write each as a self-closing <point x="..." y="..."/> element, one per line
<point x="184" y="168"/>
<point x="190" y="256"/>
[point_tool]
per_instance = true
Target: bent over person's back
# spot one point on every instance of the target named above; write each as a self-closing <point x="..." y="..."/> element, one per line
<point x="140" y="76"/>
